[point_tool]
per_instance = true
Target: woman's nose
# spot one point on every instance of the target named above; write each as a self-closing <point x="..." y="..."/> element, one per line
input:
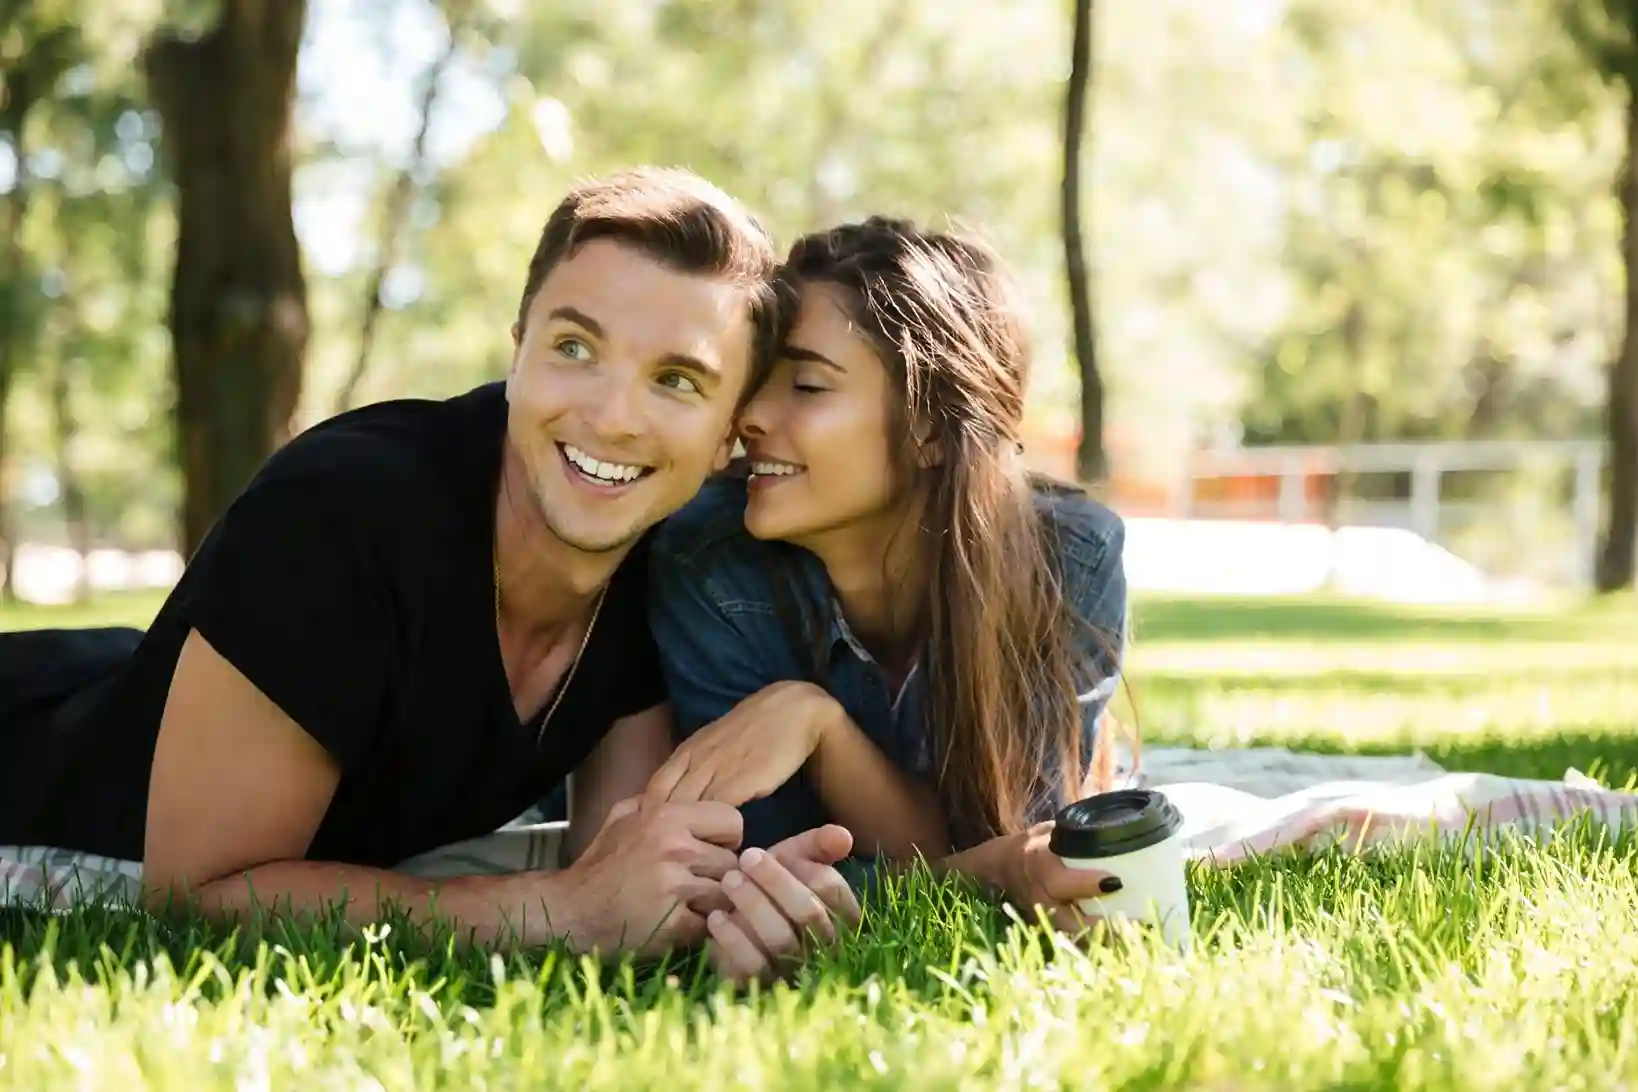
<point x="752" y="421"/>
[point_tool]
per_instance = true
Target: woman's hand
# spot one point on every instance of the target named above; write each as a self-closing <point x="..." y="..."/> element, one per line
<point x="782" y="900"/>
<point x="758" y="746"/>
<point x="1033" y="876"/>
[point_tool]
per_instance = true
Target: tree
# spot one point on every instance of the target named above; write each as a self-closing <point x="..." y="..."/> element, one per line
<point x="1090" y="463"/>
<point x="238" y="317"/>
<point x="1608" y="31"/>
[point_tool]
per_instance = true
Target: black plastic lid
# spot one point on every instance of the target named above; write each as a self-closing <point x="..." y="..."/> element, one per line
<point x="1112" y="823"/>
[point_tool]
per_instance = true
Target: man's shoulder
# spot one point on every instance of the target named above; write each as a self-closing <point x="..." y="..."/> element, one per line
<point x="397" y="459"/>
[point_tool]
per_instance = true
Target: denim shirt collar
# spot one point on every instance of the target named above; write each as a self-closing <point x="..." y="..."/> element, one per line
<point x="839" y="635"/>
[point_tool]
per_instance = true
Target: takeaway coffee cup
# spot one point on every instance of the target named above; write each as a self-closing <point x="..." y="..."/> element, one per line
<point x="1136" y="835"/>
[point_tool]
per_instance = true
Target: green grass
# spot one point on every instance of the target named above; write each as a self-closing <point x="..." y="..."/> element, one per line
<point x="1515" y="967"/>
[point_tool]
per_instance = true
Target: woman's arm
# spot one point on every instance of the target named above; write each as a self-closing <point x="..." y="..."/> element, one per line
<point x="789" y="726"/>
<point x="750" y="721"/>
<point x="890" y="812"/>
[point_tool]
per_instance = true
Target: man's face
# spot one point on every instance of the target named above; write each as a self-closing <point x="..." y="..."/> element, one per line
<point x="623" y="390"/>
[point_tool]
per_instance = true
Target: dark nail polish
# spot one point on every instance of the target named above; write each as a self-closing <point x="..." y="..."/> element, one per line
<point x="1110" y="884"/>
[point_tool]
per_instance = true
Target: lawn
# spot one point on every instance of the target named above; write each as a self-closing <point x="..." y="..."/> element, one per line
<point x="1417" y="969"/>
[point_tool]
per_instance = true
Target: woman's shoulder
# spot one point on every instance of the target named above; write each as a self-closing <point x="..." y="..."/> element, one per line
<point x="1090" y="542"/>
<point x="1086" y="531"/>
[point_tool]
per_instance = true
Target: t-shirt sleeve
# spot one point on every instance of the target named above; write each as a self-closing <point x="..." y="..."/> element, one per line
<point x="289" y="591"/>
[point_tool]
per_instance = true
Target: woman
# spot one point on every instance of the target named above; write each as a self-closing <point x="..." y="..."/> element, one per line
<point x="933" y="627"/>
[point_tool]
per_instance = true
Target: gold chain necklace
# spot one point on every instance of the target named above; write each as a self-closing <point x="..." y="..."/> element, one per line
<point x="585" y="639"/>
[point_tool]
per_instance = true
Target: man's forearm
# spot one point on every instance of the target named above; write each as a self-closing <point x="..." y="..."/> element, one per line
<point x="525" y="908"/>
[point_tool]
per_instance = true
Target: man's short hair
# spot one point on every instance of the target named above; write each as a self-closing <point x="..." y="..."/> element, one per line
<point x="680" y="220"/>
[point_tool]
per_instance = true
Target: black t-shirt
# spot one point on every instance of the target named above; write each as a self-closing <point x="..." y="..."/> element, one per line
<point x="352" y="583"/>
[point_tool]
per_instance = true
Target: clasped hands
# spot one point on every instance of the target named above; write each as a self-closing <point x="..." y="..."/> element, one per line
<point x="659" y="876"/>
<point x="665" y="870"/>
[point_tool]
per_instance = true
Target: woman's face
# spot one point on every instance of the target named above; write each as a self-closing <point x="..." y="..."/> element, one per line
<point x="818" y="434"/>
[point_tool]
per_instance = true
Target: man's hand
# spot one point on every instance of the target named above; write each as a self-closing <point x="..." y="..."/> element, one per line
<point x="758" y="746"/>
<point x="783" y="900"/>
<point x="631" y="889"/>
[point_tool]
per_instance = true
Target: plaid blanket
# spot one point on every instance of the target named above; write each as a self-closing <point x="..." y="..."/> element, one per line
<point x="56" y="879"/>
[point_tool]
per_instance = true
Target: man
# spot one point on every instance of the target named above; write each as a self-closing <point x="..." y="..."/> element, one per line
<point x="421" y="615"/>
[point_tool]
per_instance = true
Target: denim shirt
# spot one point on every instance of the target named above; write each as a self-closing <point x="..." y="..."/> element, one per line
<point x="733" y="614"/>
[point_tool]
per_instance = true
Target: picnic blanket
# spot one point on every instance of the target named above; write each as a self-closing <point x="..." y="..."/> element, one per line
<point x="47" y="878"/>
<point x="1235" y="803"/>
<point x="1255" y="801"/>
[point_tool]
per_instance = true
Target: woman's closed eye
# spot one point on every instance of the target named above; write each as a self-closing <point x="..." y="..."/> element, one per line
<point x="807" y="384"/>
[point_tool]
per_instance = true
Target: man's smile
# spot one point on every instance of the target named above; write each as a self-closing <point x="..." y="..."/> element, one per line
<point x="603" y="475"/>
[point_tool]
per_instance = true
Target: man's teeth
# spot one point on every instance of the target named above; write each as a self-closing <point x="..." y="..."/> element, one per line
<point x="774" y="468"/>
<point x="613" y="473"/>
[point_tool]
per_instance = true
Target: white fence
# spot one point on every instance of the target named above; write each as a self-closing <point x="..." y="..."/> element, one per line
<point x="1426" y="511"/>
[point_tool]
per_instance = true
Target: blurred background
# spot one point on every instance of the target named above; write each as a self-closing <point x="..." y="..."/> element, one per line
<point x="1350" y="275"/>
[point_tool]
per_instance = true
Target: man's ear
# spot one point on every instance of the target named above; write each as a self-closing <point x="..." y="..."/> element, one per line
<point x="725" y="453"/>
<point x="517" y="344"/>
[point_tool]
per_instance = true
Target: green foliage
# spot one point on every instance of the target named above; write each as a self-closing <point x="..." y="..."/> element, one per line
<point x="1316" y="220"/>
<point x="1608" y="32"/>
<point x="95" y="238"/>
<point x="1443" y="281"/>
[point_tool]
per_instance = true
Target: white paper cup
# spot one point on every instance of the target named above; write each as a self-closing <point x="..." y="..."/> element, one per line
<point x="1136" y="835"/>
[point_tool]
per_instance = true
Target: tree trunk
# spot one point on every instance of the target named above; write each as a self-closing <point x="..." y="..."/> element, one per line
<point x="1090" y="461"/>
<point x="238" y="315"/>
<point x="1617" y="555"/>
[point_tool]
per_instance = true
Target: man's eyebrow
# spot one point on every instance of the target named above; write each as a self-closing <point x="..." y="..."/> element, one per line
<point x="796" y="352"/>
<point x="580" y="318"/>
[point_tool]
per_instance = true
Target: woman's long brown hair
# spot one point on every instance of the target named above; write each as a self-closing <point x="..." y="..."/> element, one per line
<point x="1004" y="653"/>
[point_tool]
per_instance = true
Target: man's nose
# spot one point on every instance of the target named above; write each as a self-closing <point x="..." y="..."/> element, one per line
<point x="616" y="409"/>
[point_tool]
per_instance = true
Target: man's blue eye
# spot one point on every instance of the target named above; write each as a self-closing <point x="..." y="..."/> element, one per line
<point x="689" y="386"/>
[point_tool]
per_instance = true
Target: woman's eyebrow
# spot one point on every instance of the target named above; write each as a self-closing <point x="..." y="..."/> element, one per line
<point x="796" y="352"/>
